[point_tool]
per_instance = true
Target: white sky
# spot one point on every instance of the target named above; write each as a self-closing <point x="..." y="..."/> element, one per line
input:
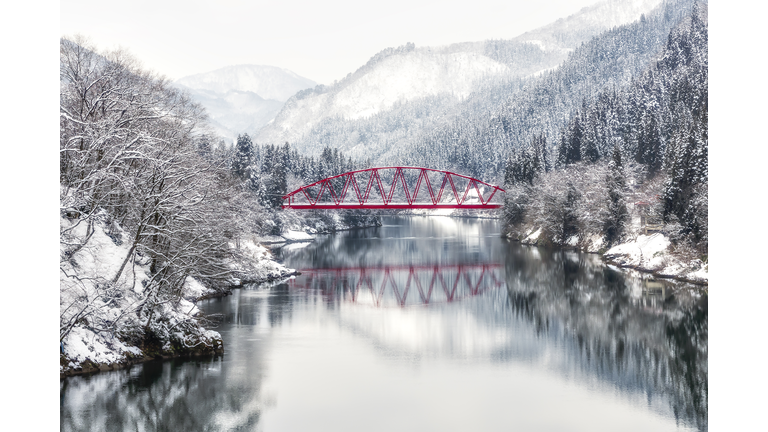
<point x="320" y="40"/>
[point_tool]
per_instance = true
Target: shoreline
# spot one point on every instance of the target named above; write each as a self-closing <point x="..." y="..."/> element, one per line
<point x="152" y="351"/>
<point x="608" y="260"/>
<point x="615" y="260"/>
<point x="90" y="368"/>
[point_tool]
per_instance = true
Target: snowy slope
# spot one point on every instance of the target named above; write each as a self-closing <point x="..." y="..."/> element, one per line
<point x="243" y="98"/>
<point x="397" y="75"/>
<point x="236" y="111"/>
<point x="269" y="82"/>
<point x="97" y="316"/>
<point x="566" y="33"/>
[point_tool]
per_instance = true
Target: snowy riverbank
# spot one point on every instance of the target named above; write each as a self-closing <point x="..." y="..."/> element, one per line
<point x="652" y="254"/>
<point x="646" y="253"/>
<point x="299" y="228"/>
<point x="104" y="324"/>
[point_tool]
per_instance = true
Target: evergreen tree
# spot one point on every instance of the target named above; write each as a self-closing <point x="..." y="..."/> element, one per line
<point x="617" y="214"/>
<point x="590" y="138"/>
<point x="688" y="179"/>
<point x="650" y="151"/>
<point x="569" y="151"/>
<point x="277" y="186"/>
<point x="242" y="160"/>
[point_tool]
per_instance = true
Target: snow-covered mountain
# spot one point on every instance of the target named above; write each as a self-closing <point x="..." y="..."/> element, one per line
<point x="567" y="33"/>
<point x="243" y="98"/>
<point x="402" y="75"/>
<point x="398" y="75"/>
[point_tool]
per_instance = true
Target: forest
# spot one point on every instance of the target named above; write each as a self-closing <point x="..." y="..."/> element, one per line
<point x="153" y="207"/>
<point x="644" y="145"/>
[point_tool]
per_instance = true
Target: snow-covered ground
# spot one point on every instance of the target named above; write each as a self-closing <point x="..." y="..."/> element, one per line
<point x="652" y="253"/>
<point x="99" y="319"/>
<point x="101" y="323"/>
<point x="257" y="265"/>
<point x="299" y="226"/>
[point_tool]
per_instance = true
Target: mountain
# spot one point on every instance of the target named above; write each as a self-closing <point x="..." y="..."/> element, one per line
<point x="243" y="98"/>
<point x="477" y="137"/>
<point x="401" y="91"/>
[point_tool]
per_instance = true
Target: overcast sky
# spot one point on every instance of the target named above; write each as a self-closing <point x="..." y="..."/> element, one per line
<point x="320" y="40"/>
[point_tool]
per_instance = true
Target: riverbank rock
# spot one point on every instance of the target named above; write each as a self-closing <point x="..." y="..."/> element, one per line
<point x="86" y="353"/>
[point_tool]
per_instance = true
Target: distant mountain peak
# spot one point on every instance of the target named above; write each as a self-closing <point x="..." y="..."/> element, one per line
<point x="243" y="98"/>
<point x="269" y="82"/>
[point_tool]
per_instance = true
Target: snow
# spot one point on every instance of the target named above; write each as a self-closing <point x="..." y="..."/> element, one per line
<point x="83" y="344"/>
<point x="243" y="98"/>
<point x="193" y="288"/>
<point x="297" y="236"/>
<point x="533" y="237"/>
<point x="651" y="252"/>
<point x="258" y="264"/>
<point x="99" y="316"/>
<point x="97" y="310"/>
<point x="453" y="71"/>
<point x="645" y="249"/>
<point x="397" y="78"/>
<point x="269" y="82"/>
<point x="594" y="243"/>
<point x="411" y="76"/>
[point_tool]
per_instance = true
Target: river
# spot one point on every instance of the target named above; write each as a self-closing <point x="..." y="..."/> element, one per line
<point x="426" y="323"/>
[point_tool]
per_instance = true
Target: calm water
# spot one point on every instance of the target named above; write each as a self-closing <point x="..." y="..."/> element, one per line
<point x="426" y="324"/>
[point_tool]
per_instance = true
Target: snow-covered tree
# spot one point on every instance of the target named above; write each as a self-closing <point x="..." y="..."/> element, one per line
<point x="615" y="214"/>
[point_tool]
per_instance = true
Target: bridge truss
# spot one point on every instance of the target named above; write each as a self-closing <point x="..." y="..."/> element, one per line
<point x="364" y="189"/>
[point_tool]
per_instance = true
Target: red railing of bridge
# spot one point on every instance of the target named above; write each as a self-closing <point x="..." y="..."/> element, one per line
<point x="329" y="198"/>
<point x="391" y="285"/>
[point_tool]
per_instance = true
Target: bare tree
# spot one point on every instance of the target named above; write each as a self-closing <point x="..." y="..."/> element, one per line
<point x="130" y="148"/>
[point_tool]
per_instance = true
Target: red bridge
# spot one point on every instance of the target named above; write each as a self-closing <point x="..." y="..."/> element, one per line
<point x="330" y="193"/>
<point x="391" y="285"/>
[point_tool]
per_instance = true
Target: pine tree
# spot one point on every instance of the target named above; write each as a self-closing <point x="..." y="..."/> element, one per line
<point x="650" y="147"/>
<point x="589" y="144"/>
<point x="242" y="160"/>
<point x="617" y="214"/>
<point x="277" y="186"/>
<point x="569" y="151"/>
<point x="688" y="180"/>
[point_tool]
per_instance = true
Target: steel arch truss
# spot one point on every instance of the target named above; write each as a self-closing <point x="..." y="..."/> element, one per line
<point x="365" y="189"/>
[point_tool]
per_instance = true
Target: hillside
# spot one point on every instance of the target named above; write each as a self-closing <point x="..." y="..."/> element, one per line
<point x="243" y="98"/>
<point x="402" y="91"/>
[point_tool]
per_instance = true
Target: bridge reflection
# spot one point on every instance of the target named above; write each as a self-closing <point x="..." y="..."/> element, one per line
<point x="401" y="285"/>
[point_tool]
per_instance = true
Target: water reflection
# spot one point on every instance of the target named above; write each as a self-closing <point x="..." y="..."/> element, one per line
<point x="157" y="396"/>
<point x="643" y="336"/>
<point x="391" y="285"/>
<point x="411" y="318"/>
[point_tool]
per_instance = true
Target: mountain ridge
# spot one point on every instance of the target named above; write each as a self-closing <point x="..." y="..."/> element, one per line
<point x="243" y="98"/>
<point x="359" y="95"/>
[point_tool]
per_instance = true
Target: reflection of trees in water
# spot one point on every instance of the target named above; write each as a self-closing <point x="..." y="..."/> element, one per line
<point x="187" y="395"/>
<point x="157" y="396"/>
<point x="641" y="341"/>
